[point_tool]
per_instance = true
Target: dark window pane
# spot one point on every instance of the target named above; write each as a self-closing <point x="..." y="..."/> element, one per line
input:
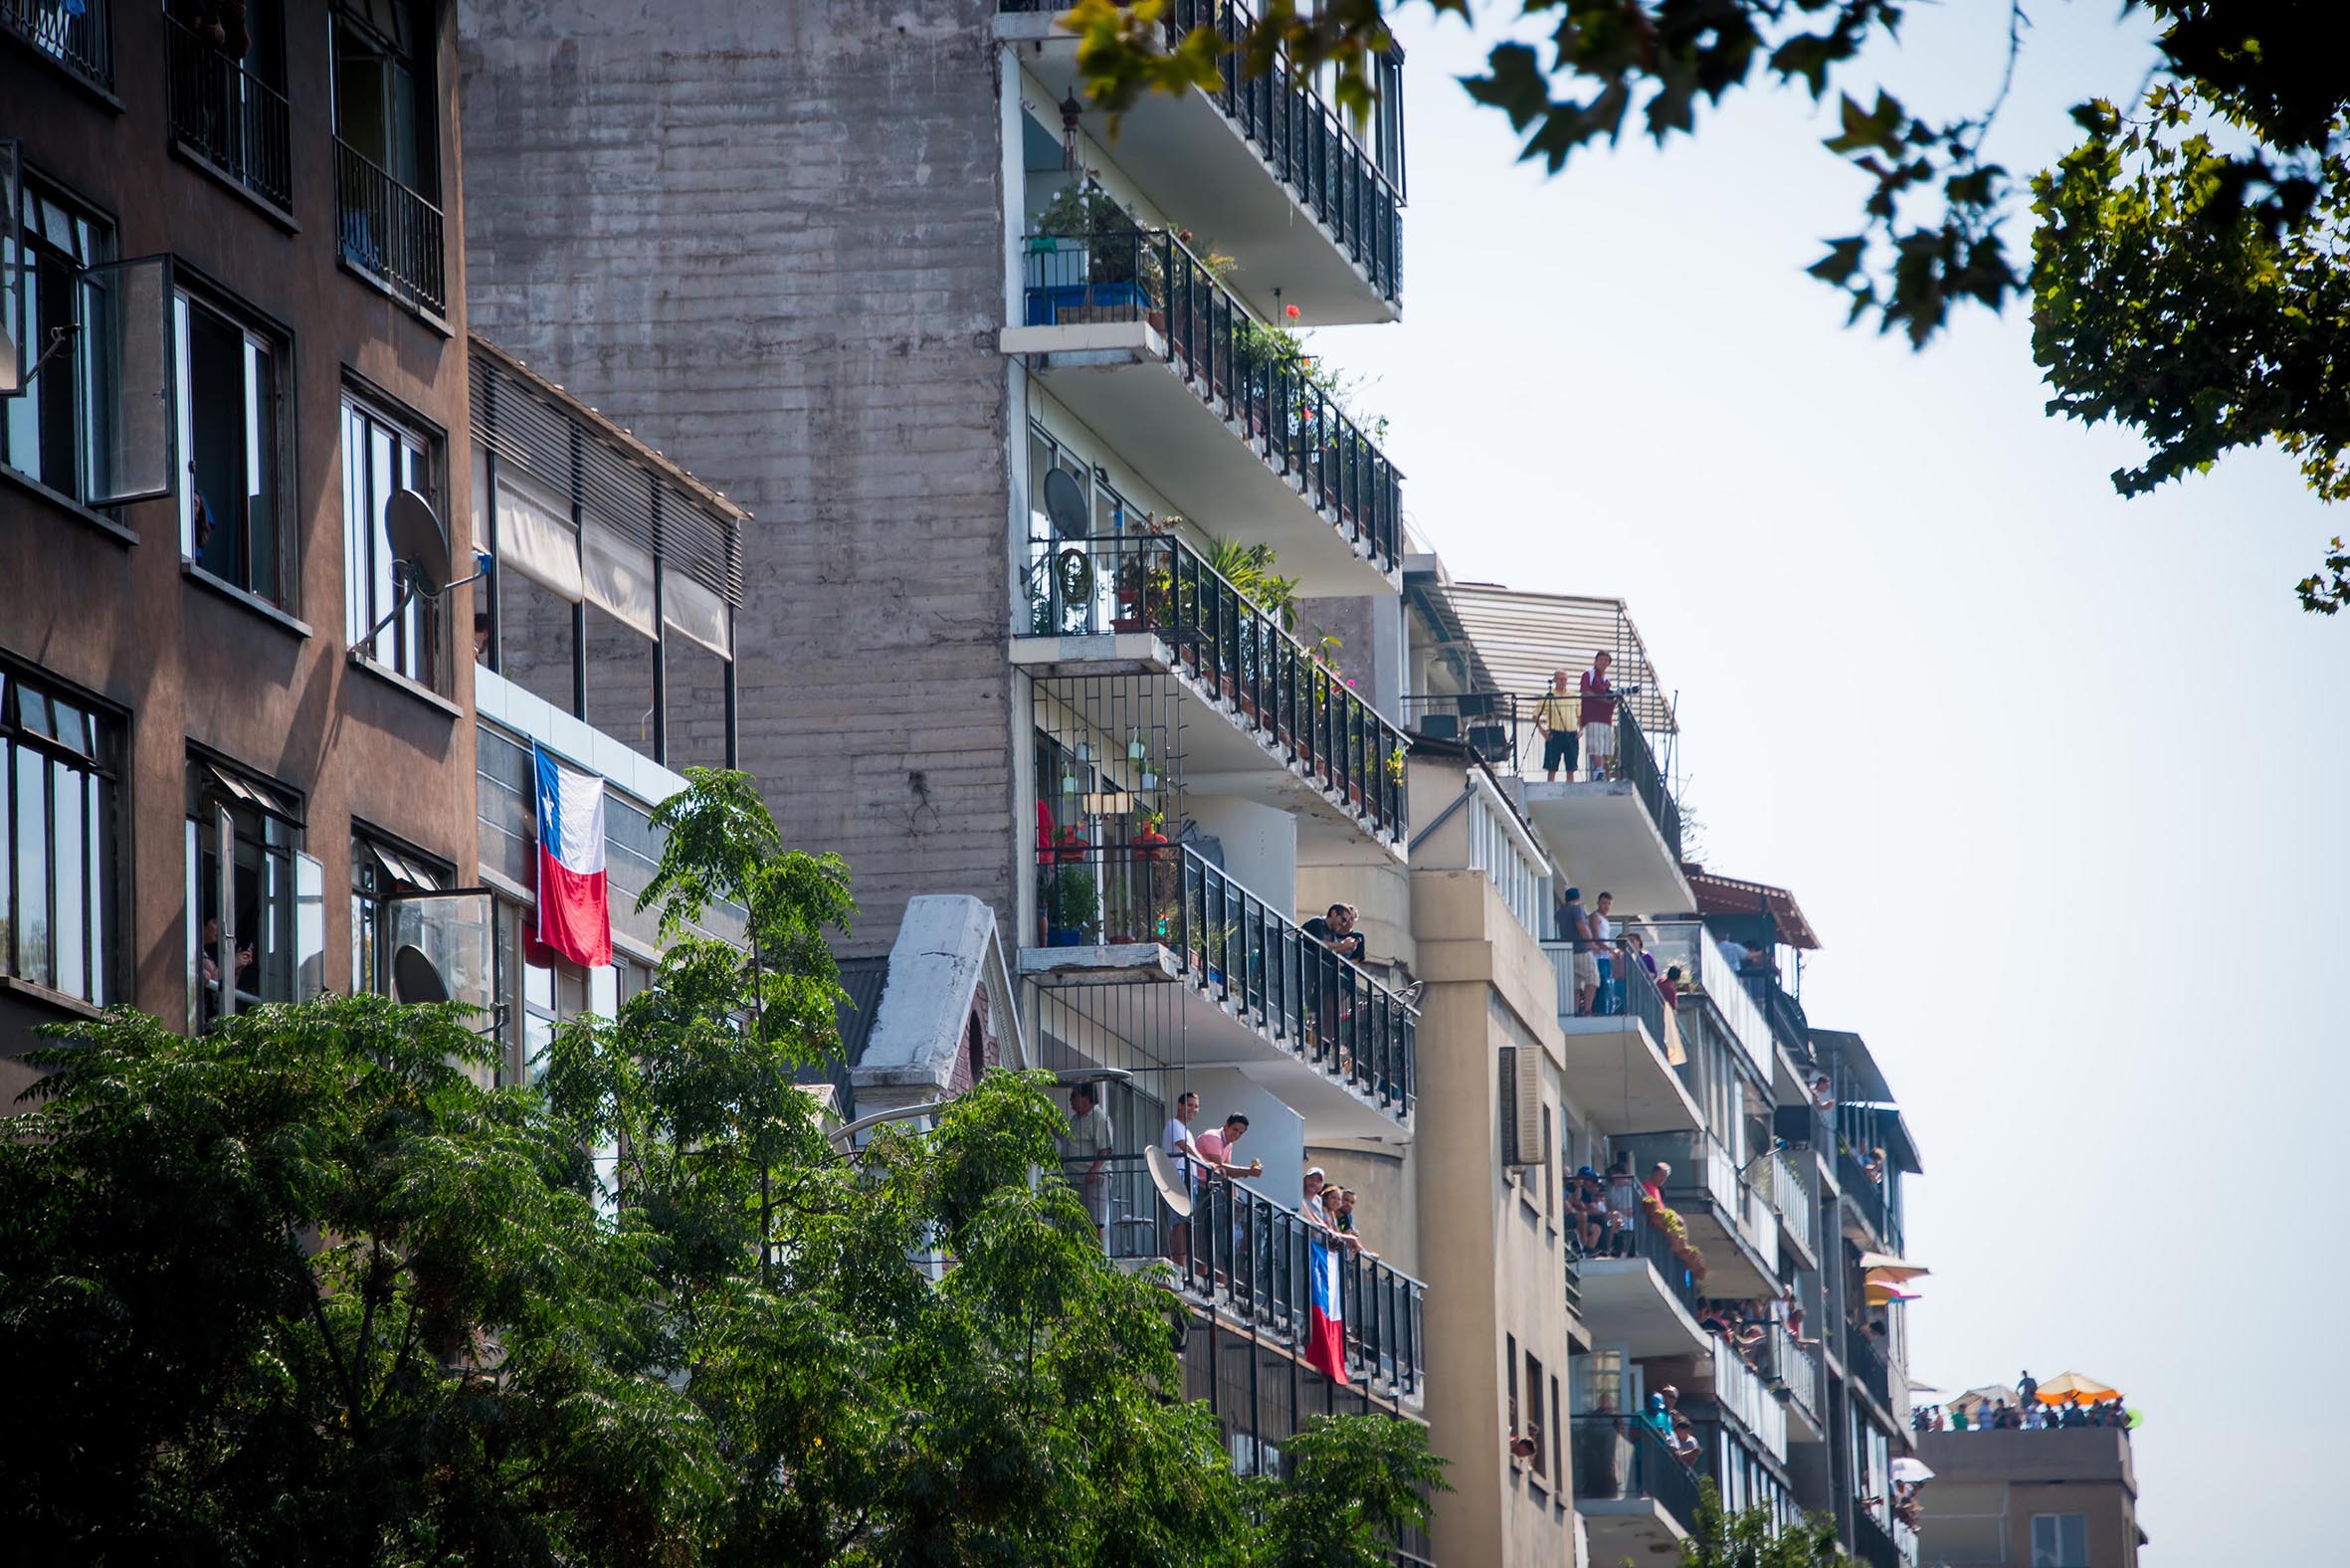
<point x="33" y="960"/>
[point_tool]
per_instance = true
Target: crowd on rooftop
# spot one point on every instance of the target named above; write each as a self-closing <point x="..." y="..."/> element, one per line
<point x="2025" y="1407"/>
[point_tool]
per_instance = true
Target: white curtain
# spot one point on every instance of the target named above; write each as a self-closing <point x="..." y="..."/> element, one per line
<point x="619" y="576"/>
<point x="694" y="611"/>
<point x="536" y="538"/>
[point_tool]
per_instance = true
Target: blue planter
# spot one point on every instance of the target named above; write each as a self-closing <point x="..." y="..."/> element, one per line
<point x="1064" y="937"/>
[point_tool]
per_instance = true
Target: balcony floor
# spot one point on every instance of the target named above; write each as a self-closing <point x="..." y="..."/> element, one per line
<point x="1198" y="168"/>
<point x="1734" y="1271"/>
<point x="1224" y="753"/>
<point x="1626" y="1304"/>
<point x="1606" y="840"/>
<point x="1116" y="377"/>
<point x="1637" y="1529"/>
<point x="1619" y="1078"/>
<point x="1203" y="1031"/>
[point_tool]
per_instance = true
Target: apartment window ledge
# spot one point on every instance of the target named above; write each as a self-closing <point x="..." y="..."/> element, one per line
<point x="421" y="693"/>
<point x="96" y="88"/>
<point x="191" y="154"/>
<point x="73" y="1005"/>
<point x="424" y="313"/>
<point x="121" y="534"/>
<point x="243" y="597"/>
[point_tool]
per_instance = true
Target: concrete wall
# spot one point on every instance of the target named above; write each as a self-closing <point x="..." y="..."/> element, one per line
<point x="109" y="609"/>
<point x="1259" y="846"/>
<point x="770" y="240"/>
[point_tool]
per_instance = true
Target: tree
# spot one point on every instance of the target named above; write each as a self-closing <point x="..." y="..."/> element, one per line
<point x="1752" y="1540"/>
<point x="303" y="1290"/>
<point x="2189" y="274"/>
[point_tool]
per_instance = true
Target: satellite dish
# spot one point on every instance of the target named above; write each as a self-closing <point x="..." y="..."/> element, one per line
<point x="414" y="979"/>
<point x="1169" y="1184"/>
<point x="1064" y="503"/>
<point x="417" y="541"/>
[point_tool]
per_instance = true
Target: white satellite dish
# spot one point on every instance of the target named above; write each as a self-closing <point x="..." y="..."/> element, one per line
<point x="1170" y="1185"/>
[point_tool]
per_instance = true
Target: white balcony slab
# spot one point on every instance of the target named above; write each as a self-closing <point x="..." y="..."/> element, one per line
<point x="1606" y="840"/>
<point x="1626" y="1303"/>
<point x="1617" y="1075"/>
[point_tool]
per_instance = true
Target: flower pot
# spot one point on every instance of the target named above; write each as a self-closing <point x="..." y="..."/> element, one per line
<point x="1067" y="936"/>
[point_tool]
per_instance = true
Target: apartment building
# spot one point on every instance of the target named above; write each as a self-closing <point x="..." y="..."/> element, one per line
<point x="1011" y="398"/>
<point x="2059" y="1498"/>
<point x="233" y="400"/>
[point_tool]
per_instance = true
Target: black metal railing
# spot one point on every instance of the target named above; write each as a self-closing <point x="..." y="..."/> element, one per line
<point x="1500" y="725"/>
<point x="387" y="230"/>
<point x="233" y="118"/>
<point x="1647" y="1240"/>
<point x="1251" y="1259"/>
<point x="1621" y="1458"/>
<point x="1626" y="988"/>
<point x="1637" y="765"/>
<point x="1249" y="957"/>
<point x="1794" y="1369"/>
<point x="81" y="39"/>
<point x="1871" y="1542"/>
<point x="1780" y="1010"/>
<point x="1354" y="189"/>
<point x="1249" y="373"/>
<point x="1236" y="651"/>
<point x="1865" y="1363"/>
<point x="1866" y="1191"/>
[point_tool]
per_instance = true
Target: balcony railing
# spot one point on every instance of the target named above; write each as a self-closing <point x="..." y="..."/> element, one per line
<point x="1244" y="953"/>
<point x="1789" y="1199"/>
<point x="231" y="117"/>
<point x="1703" y="1173"/>
<point x="1622" y="1458"/>
<point x="1706" y="967"/>
<point x="1247" y="372"/>
<point x="1648" y="1240"/>
<point x="1236" y="651"/>
<point x="1355" y="190"/>
<point x="1865" y="1364"/>
<point x="78" y="37"/>
<point x="1626" y="989"/>
<point x="1741" y="1390"/>
<point x="1866" y="1192"/>
<point x="1871" y="1542"/>
<point x="387" y="230"/>
<point x="1500" y="725"/>
<point x="1795" y="1369"/>
<point x="1248" y="1258"/>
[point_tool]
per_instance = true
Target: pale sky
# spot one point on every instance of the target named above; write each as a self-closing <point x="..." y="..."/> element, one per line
<point x="2048" y="770"/>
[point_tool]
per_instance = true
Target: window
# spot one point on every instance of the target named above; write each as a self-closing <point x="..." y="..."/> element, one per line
<point x="385" y="617"/>
<point x="2060" y="1540"/>
<point x="74" y="33"/>
<point x="1558" y="1447"/>
<point x="58" y="855"/>
<point x="387" y="172"/>
<point x="256" y="903"/>
<point x="402" y="899"/>
<point x="88" y="399"/>
<point x="1509" y="1361"/>
<point x="1596" y="1382"/>
<point x="231" y="107"/>
<point x="228" y="412"/>
<point x="1535" y="1431"/>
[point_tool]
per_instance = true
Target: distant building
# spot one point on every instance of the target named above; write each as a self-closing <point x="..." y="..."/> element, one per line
<point x="2063" y="1498"/>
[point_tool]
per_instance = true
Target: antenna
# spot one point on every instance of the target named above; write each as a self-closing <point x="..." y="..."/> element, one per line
<point x="420" y="556"/>
<point x="1064" y="503"/>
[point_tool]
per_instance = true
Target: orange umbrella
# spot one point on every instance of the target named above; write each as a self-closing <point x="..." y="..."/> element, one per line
<point x="2075" y="1388"/>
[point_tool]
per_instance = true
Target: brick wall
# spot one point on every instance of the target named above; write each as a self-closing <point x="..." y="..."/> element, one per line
<point x="768" y="240"/>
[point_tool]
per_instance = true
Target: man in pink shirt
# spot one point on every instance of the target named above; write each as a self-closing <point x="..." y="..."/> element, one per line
<point x="1216" y="1148"/>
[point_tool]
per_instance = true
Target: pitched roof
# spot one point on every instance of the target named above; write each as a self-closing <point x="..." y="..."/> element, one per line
<point x="1720" y="894"/>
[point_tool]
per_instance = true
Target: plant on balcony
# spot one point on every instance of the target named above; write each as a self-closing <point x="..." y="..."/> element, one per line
<point x="1150" y="835"/>
<point x="1250" y="569"/>
<point x="1074" y="904"/>
<point x="1070" y="847"/>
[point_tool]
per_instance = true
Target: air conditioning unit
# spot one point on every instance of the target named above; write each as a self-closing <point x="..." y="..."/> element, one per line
<point x="1521" y="1106"/>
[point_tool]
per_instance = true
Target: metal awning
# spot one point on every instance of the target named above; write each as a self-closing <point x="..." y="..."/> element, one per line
<point x="1523" y="637"/>
<point x="1720" y="894"/>
<point x="258" y="796"/>
<point x="1854" y="1072"/>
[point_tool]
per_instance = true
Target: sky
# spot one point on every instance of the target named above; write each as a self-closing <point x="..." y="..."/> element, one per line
<point x="2048" y="770"/>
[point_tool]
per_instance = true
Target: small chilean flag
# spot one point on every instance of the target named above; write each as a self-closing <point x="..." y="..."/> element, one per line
<point x="574" y="916"/>
<point x="1325" y="1341"/>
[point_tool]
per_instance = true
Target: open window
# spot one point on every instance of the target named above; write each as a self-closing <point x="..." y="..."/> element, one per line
<point x="229" y="419"/>
<point x="60" y="828"/>
<point x="401" y="899"/>
<point x="249" y="894"/>
<point x="403" y="633"/>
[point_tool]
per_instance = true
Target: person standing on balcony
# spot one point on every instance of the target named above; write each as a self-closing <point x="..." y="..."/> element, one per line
<point x="1175" y="1141"/>
<point x="1599" y="719"/>
<point x="1084" y="1153"/>
<point x="1558" y="721"/>
<point x="1659" y="1174"/>
<point x="1622" y="1204"/>
<point x="1334" y="929"/>
<point x="1602" y="950"/>
<point x="1575" y="927"/>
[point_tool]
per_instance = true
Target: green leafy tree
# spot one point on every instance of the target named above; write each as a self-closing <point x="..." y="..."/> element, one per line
<point x="1753" y="1540"/>
<point x="2190" y="258"/>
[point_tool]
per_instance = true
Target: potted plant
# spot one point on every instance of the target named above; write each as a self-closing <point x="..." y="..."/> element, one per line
<point x="1151" y="837"/>
<point x="1074" y="903"/>
<point x="1070" y="847"/>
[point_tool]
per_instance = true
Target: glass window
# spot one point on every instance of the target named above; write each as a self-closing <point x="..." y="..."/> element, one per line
<point x="59" y="852"/>
<point x="228" y="431"/>
<point x="2060" y="1540"/>
<point x="400" y="630"/>
<point x="401" y="898"/>
<point x="53" y="239"/>
<point x="245" y="895"/>
<point x="382" y="89"/>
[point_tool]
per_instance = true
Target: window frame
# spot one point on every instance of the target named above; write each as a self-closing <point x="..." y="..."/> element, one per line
<point x="424" y="621"/>
<point x="102" y="826"/>
<point x="223" y="797"/>
<point x="270" y="339"/>
<point x="2056" y="1555"/>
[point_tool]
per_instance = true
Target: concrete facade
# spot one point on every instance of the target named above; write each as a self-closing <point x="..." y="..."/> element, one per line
<point x="772" y="238"/>
<point x="100" y="602"/>
<point x="1989" y="1487"/>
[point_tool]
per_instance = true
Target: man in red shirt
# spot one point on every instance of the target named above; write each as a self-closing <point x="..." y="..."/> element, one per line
<point x="1599" y="719"/>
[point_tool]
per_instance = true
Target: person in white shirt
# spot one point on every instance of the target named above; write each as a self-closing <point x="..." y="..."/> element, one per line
<point x="1084" y="1153"/>
<point x="1318" y="1215"/>
<point x="1175" y="1141"/>
<point x="1603" y="933"/>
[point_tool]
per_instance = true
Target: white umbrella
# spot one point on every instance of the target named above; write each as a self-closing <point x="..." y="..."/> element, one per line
<point x="1913" y="1470"/>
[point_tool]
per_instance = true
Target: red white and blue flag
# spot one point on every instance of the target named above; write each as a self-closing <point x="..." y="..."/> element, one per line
<point x="574" y="916"/>
<point x="1325" y="1330"/>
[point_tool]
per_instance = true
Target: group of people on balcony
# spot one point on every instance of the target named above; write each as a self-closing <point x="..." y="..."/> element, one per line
<point x="1606" y="954"/>
<point x="1582" y="716"/>
<point x="1603" y="1211"/>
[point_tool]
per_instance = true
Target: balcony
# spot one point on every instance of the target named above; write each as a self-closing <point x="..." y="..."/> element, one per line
<point x="1636" y="1497"/>
<point x="1641" y="1298"/>
<point x="1256" y="991"/>
<point x="1289" y="732"/>
<point x="1749" y="1401"/>
<point x="388" y="232"/>
<point x="1865" y="1367"/>
<point x="1707" y="971"/>
<point x="1865" y="1201"/>
<point x="1155" y="354"/>
<point x="1726" y="1219"/>
<point x="1244" y="160"/>
<point x="1619" y="829"/>
<point x="1248" y="1263"/>
<point x="1783" y="1189"/>
<point x="1793" y="1371"/>
<point x="1616" y="1067"/>
<point x="230" y="118"/>
<point x="1874" y="1545"/>
<point x="78" y="39"/>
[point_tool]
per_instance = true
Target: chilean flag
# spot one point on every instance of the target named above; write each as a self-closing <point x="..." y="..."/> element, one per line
<point x="1325" y="1331"/>
<point x="574" y="916"/>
